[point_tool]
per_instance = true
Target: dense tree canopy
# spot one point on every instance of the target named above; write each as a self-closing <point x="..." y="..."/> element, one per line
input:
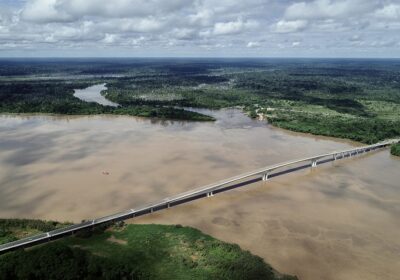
<point x="354" y="99"/>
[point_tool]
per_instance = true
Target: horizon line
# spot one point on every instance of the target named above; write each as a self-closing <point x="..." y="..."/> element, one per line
<point x="191" y="57"/>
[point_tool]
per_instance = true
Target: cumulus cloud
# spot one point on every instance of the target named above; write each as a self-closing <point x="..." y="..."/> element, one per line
<point x="202" y="17"/>
<point x="110" y="38"/>
<point x="338" y="16"/>
<point x="233" y="27"/>
<point x="391" y="11"/>
<point x="196" y="26"/>
<point x="323" y="9"/>
<point x="253" y="44"/>
<point x="184" y="33"/>
<point x="284" y="26"/>
<point x="44" y="11"/>
<point x="66" y="10"/>
<point x="132" y="25"/>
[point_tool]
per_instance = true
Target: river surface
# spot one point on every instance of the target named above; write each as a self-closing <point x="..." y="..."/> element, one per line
<point x="93" y="94"/>
<point x="339" y="221"/>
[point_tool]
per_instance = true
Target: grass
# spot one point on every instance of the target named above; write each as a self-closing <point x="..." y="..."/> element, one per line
<point x="14" y="229"/>
<point x="138" y="252"/>
<point x="395" y="149"/>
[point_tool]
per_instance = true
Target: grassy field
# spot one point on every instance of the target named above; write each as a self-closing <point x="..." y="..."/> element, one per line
<point x="137" y="252"/>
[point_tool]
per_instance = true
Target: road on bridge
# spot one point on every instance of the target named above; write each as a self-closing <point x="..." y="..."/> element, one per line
<point x="265" y="174"/>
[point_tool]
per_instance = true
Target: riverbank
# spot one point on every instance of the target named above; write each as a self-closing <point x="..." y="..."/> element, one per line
<point x="336" y="222"/>
<point x="57" y="97"/>
<point x="135" y="251"/>
<point x="44" y="168"/>
<point x="71" y="168"/>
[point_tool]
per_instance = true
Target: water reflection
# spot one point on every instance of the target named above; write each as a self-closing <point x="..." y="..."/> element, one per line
<point x="27" y="119"/>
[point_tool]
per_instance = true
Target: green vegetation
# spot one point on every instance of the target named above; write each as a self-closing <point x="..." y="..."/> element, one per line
<point x="137" y="252"/>
<point x="317" y="99"/>
<point x="395" y="149"/>
<point x="55" y="97"/>
<point x="353" y="99"/>
<point x="14" y="229"/>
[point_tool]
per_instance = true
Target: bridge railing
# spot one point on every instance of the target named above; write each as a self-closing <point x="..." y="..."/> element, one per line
<point x="186" y="195"/>
<point x="270" y="168"/>
<point x="24" y="241"/>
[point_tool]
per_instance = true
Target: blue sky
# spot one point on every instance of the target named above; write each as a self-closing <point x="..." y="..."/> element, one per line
<point x="200" y="28"/>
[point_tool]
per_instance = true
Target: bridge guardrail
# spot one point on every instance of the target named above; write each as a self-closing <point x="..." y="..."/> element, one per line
<point x="192" y="193"/>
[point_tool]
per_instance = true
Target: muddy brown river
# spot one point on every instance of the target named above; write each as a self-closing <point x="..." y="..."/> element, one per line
<point x="339" y="221"/>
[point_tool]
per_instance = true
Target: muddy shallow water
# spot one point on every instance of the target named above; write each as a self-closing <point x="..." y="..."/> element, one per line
<point x="339" y="221"/>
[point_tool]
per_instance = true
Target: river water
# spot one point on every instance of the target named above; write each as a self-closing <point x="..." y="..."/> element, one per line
<point x="93" y="94"/>
<point x="339" y="221"/>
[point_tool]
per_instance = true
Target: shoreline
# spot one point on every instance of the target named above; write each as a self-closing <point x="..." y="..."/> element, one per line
<point x="155" y="119"/>
<point x="263" y="220"/>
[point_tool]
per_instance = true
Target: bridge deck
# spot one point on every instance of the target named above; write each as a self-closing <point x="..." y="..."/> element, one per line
<point x="190" y="195"/>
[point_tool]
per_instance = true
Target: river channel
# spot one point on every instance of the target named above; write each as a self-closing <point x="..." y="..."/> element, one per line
<point x="339" y="221"/>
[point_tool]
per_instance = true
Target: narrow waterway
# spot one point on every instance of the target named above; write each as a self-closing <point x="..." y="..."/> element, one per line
<point x="93" y="94"/>
<point x="339" y="221"/>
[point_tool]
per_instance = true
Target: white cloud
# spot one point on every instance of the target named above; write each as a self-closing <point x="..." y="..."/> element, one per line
<point x="284" y="26"/>
<point x="253" y="44"/>
<point x="110" y="38"/>
<point x="66" y="10"/>
<point x="355" y="38"/>
<point x="391" y="11"/>
<point x="233" y="27"/>
<point x="137" y="41"/>
<point x="135" y="24"/>
<point x="181" y="26"/>
<point x="202" y="17"/>
<point x="44" y="11"/>
<point x="323" y="9"/>
<point x="184" y="33"/>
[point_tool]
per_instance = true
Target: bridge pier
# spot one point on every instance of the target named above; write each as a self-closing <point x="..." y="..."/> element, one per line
<point x="314" y="163"/>
<point x="265" y="176"/>
<point x="166" y="203"/>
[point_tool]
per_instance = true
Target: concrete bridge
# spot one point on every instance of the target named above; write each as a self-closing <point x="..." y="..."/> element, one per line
<point x="264" y="174"/>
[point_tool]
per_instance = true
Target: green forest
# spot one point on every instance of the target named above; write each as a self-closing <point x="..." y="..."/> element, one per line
<point x="395" y="150"/>
<point x="352" y="99"/>
<point x="131" y="252"/>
